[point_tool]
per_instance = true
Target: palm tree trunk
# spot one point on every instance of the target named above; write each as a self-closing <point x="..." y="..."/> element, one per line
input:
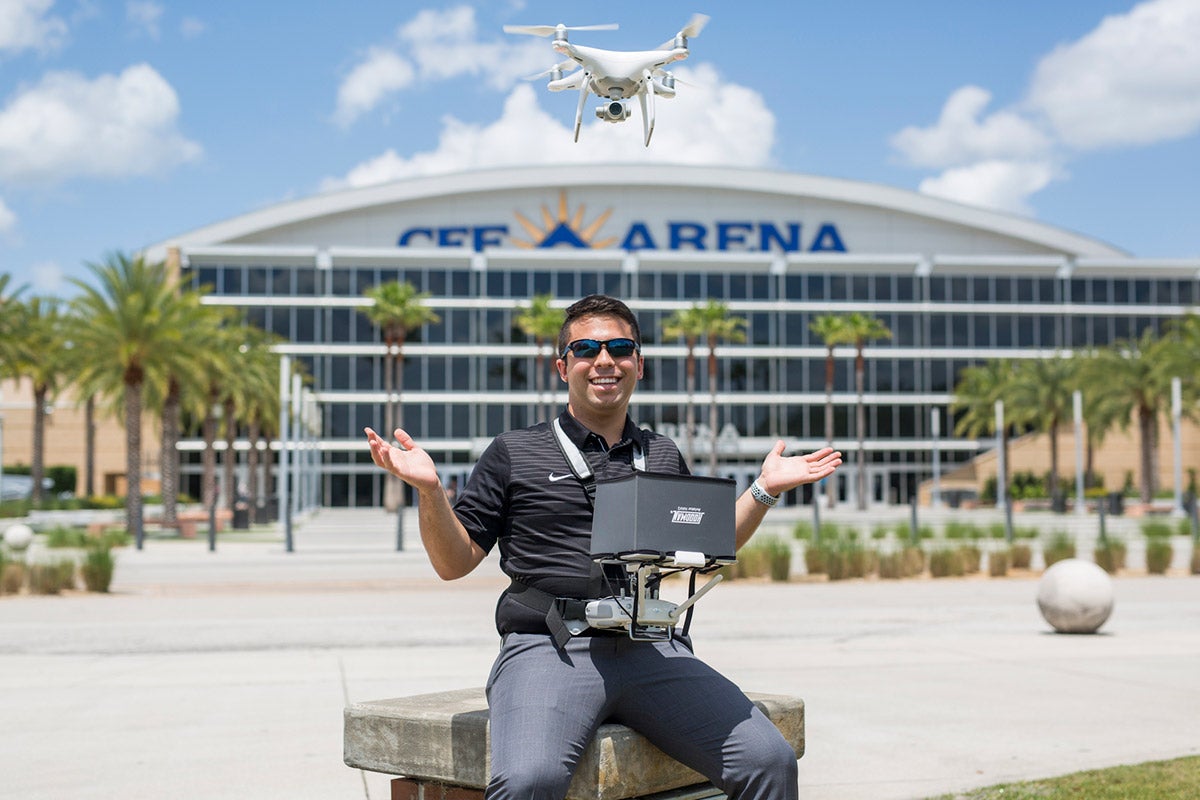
<point x="208" y="483"/>
<point x="860" y="424"/>
<point x="713" y="423"/>
<point x="133" y="461"/>
<point x="170" y="456"/>
<point x="539" y="383"/>
<point x="398" y="415"/>
<point x="89" y="467"/>
<point x="230" y="463"/>
<point x="689" y="424"/>
<point x="38" y="468"/>
<point x="391" y="484"/>
<point x="1147" y="423"/>
<point x="831" y="489"/>
<point x="253" y="433"/>
<point x="1052" y="483"/>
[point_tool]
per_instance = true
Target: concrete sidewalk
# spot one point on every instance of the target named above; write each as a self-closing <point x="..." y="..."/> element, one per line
<point x="224" y="675"/>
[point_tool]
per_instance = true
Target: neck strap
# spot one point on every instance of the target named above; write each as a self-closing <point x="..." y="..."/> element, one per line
<point x="580" y="466"/>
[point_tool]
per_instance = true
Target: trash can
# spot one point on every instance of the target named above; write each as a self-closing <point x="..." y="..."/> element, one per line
<point x="1116" y="503"/>
<point x="241" y="513"/>
<point x="1058" y="503"/>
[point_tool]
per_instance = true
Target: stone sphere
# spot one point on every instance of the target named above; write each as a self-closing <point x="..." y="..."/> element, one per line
<point x="1075" y="596"/>
<point x="18" y="536"/>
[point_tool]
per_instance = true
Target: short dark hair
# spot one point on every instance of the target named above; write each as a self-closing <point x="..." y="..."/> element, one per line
<point x="597" y="305"/>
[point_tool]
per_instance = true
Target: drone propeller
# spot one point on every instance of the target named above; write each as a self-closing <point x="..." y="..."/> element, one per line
<point x="559" y="67"/>
<point x="547" y="30"/>
<point x="693" y="28"/>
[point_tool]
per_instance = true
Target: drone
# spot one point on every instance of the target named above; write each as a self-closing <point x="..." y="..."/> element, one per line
<point x="615" y="76"/>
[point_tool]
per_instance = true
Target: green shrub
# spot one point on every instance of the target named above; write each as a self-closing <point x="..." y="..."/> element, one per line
<point x="1196" y="560"/>
<point x="891" y="565"/>
<point x="66" y="537"/>
<point x="963" y="530"/>
<point x="945" y="562"/>
<point x="803" y="531"/>
<point x="52" y="577"/>
<point x="879" y="532"/>
<point x="1156" y="529"/>
<point x="1060" y="547"/>
<point x="769" y="556"/>
<point x="97" y="568"/>
<point x="998" y="563"/>
<point x="1110" y="555"/>
<point x="1021" y="556"/>
<point x="972" y="558"/>
<point x="814" y="560"/>
<point x="12" y="578"/>
<point x="914" y="561"/>
<point x="1158" y="555"/>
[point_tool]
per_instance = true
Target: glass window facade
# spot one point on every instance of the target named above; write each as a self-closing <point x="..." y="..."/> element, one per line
<point x="473" y="373"/>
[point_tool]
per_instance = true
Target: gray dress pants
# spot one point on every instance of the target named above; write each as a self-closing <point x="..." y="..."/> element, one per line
<point x="546" y="704"/>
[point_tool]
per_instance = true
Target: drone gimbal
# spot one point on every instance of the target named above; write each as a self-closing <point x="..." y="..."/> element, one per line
<point x="639" y="610"/>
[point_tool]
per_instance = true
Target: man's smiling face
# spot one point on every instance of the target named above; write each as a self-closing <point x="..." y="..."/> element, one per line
<point x="599" y="388"/>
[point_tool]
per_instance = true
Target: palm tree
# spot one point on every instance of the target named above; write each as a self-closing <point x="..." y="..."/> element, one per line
<point x="260" y="401"/>
<point x="861" y="329"/>
<point x="41" y="357"/>
<point x="831" y="330"/>
<point x="687" y="324"/>
<point x="974" y="402"/>
<point x="1139" y="376"/>
<point x="713" y="322"/>
<point x="397" y="310"/>
<point x="186" y="388"/>
<point x="126" y="324"/>
<point x="542" y="322"/>
<point x="10" y="310"/>
<point x="1102" y="411"/>
<point x="1042" y="391"/>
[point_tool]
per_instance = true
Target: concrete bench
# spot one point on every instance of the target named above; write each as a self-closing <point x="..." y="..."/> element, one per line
<point x="438" y="746"/>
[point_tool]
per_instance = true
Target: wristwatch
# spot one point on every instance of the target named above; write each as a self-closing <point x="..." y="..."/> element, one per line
<point x="760" y="494"/>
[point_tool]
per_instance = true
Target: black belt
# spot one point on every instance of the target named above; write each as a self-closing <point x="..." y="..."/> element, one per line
<point x="557" y="611"/>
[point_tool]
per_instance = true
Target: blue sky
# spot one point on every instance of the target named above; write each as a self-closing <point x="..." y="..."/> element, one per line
<point x="123" y="123"/>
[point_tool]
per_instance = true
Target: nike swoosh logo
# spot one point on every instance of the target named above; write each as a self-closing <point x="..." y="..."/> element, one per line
<point x="556" y="478"/>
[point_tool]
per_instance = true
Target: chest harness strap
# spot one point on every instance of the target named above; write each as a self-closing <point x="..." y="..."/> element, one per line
<point x="565" y="616"/>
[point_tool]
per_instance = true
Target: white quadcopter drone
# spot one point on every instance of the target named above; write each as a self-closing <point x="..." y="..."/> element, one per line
<point x="614" y="75"/>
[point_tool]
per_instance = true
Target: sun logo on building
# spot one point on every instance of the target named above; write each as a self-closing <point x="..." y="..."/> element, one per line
<point x="566" y="227"/>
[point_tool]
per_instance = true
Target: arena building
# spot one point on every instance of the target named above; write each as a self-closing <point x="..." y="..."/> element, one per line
<point x="956" y="285"/>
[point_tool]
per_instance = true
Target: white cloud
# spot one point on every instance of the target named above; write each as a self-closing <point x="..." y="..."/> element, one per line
<point x="112" y="126"/>
<point x="24" y="25"/>
<point x="1134" y="80"/>
<point x="446" y="44"/>
<point x="191" y="27"/>
<point x="1004" y="185"/>
<point x="964" y="135"/>
<point x="144" y="16"/>
<point x="437" y="46"/>
<point x="7" y="218"/>
<point x="738" y="130"/>
<point x="380" y="74"/>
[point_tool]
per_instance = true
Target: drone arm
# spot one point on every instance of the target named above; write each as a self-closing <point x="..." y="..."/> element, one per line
<point x="583" y="93"/>
<point x="646" y="98"/>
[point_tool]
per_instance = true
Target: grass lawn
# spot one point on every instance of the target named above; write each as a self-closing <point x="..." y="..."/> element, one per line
<point x="1156" y="780"/>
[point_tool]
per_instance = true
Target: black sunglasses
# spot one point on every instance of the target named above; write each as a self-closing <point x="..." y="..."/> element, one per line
<point x="590" y="348"/>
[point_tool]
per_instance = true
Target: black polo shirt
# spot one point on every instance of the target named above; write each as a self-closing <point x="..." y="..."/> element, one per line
<point x="523" y="495"/>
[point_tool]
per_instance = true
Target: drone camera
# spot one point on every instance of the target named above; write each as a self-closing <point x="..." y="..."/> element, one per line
<point x="613" y="111"/>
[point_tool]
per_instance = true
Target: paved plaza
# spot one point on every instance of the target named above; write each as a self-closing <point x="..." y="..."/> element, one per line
<point x="224" y="674"/>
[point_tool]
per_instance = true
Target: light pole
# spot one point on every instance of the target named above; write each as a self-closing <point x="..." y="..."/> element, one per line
<point x="1177" y="430"/>
<point x="935" y="425"/>
<point x="1077" y="408"/>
